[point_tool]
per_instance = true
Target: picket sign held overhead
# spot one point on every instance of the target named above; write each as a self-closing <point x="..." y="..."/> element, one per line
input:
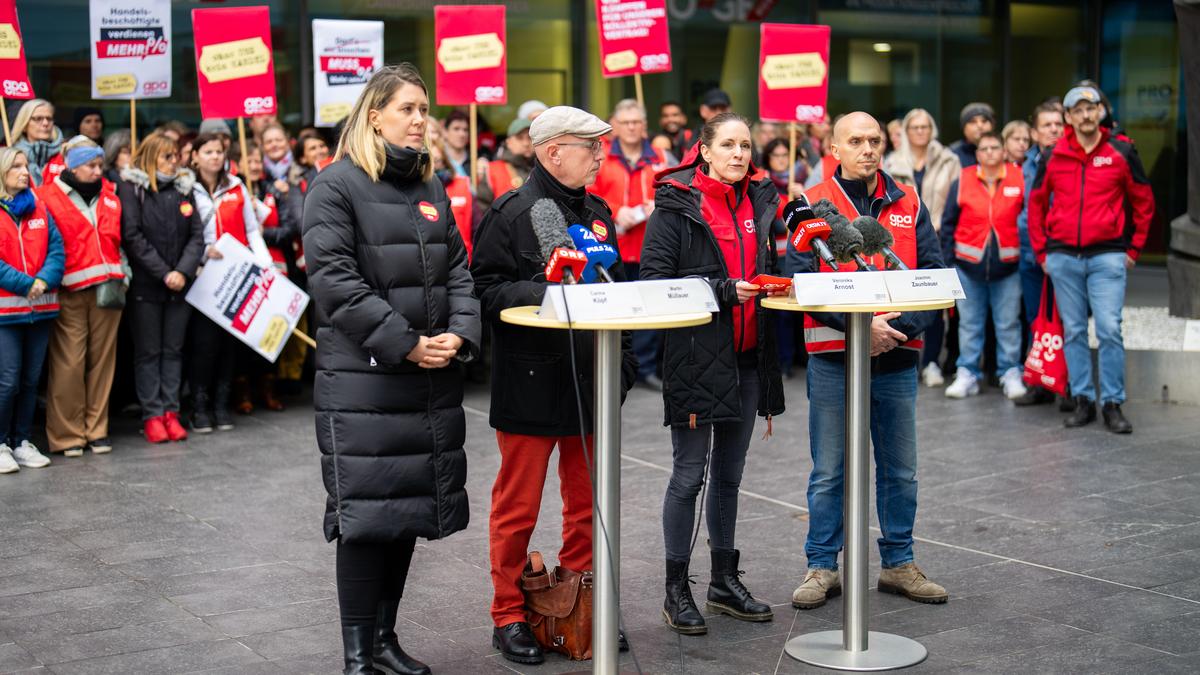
<point x="14" y="72"/>
<point x="234" y="62"/>
<point x="793" y="78"/>
<point x="345" y="55"/>
<point x="634" y="39"/>
<point x="131" y="49"/>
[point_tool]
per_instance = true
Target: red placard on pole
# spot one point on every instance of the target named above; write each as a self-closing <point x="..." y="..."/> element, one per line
<point x="234" y="63"/>
<point x="793" y="73"/>
<point x="633" y="37"/>
<point x="14" y="73"/>
<point x="472" y="66"/>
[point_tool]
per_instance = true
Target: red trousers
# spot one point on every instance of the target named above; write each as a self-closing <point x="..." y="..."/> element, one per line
<point x="516" y="501"/>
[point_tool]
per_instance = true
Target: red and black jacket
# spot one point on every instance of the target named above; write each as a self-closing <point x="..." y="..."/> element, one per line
<point x="1090" y="203"/>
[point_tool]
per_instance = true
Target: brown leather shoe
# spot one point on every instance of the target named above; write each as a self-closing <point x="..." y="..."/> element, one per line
<point x="266" y="392"/>
<point x="908" y="580"/>
<point x="819" y="585"/>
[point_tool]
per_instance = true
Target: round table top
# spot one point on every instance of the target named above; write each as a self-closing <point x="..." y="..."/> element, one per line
<point x="789" y="304"/>
<point x="528" y="316"/>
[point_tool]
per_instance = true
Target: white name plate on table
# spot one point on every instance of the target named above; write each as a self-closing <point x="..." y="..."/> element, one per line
<point x="921" y="285"/>
<point x="837" y="288"/>
<point x="628" y="300"/>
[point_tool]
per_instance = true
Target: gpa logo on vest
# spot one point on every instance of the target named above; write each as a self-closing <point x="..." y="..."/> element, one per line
<point x="900" y="220"/>
<point x="599" y="230"/>
<point x="1012" y="191"/>
<point x="36" y="223"/>
<point x="748" y="225"/>
<point x="429" y="211"/>
<point x="110" y="203"/>
<point x="1101" y="160"/>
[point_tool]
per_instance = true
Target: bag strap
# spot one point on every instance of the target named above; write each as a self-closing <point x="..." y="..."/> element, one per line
<point x="1047" y="308"/>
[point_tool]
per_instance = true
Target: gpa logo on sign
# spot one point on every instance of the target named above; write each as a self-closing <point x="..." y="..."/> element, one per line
<point x="898" y="220"/>
<point x="36" y="223"/>
<point x="429" y="211"/>
<point x="810" y="113"/>
<point x="489" y="94"/>
<point x="15" y="89"/>
<point x="655" y="61"/>
<point x="1101" y="160"/>
<point x="155" y="87"/>
<point x="257" y="105"/>
<point x="1012" y="191"/>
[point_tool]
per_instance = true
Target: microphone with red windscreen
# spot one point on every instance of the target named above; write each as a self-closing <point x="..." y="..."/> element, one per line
<point x="808" y="232"/>
<point x="564" y="264"/>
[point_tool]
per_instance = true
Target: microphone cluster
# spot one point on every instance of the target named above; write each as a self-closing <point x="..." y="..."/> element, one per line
<point x="573" y="255"/>
<point x="822" y="229"/>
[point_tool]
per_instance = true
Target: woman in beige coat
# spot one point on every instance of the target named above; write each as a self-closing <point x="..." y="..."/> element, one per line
<point x="926" y="164"/>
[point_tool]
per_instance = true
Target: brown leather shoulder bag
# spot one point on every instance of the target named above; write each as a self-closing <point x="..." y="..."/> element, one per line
<point x="558" y="606"/>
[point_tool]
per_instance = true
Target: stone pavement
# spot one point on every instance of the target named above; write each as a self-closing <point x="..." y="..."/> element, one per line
<point x="1063" y="551"/>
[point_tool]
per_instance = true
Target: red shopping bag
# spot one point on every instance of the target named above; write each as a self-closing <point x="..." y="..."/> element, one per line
<point x="1046" y="365"/>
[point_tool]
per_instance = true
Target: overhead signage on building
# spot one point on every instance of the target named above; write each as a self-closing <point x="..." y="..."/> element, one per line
<point x="131" y="54"/>
<point x="793" y="65"/>
<point x="14" y="72"/>
<point x="234" y="63"/>
<point x="345" y="55"/>
<point x="472" y="66"/>
<point x="633" y="37"/>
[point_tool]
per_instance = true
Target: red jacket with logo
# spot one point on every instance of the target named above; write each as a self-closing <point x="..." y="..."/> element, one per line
<point x="93" y="251"/>
<point x="1087" y="203"/>
<point x="730" y="216"/>
<point x="620" y="185"/>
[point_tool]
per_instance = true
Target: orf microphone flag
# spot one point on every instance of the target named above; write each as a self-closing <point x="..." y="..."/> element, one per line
<point x="601" y="255"/>
<point x="566" y="265"/>
<point x="808" y="231"/>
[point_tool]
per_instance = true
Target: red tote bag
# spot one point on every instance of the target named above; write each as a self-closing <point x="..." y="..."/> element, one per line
<point x="1046" y="365"/>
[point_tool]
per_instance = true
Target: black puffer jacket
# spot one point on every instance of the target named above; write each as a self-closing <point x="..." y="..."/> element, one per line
<point x="700" y="364"/>
<point x="386" y="266"/>
<point x="160" y="233"/>
<point x="533" y="386"/>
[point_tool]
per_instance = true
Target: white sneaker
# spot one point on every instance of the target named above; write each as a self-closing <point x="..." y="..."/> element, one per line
<point x="932" y="376"/>
<point x="7" y="463"/>
<point x="29" y="456"/>
<point x="1014" y="386"/>
<point x="965" y="384"/>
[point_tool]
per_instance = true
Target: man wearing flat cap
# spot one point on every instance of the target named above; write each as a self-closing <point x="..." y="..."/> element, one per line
<point x="533" y="380"/>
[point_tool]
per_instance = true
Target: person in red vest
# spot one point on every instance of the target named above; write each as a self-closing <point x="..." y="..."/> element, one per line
<point x="626" y="184"/>
<point x="979" y="233"/>
<point x="39" y="138"/>
<point x="511" y="169"/>
<point x="858" y="187"/>
<point x="225" y="206"/>
<point x="83" y="347"/>
<point x="31" y="268"/>
<point x="458" y="189"/>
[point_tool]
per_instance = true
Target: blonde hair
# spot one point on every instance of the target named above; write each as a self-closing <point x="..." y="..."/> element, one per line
<point x="360" y="141"/>
<point x="149" y="150"/>
<point x="1011" y="128"/>
<point x="77" y="142"/>
<point x="25" y="114"/>
<point x="8" y="157"/>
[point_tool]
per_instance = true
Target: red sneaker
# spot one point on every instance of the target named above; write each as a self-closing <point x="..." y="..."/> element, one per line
<point x="175" y="430"/>
<point x="154" y="431"/>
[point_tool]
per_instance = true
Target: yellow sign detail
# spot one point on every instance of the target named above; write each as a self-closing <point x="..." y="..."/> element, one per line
<point x="620" y="60"/>
<point x="791" y="71"/>
<point x="113" y="85"/>
<point x="332" y="113"/>
<point x="470" y="52"/>
<point x="10" y="42"/>
<point x="235" y="60"/>
<point x="273" y="336"/>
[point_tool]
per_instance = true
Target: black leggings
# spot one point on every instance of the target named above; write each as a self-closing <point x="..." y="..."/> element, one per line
<point x="368" y="574"/>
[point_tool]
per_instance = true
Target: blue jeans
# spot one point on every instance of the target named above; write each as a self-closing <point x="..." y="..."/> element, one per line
<point x="645" y="342"/>
<point x="1031" y="287"/>
<point x="1003" y="296"/>
<point x="894" y="439"/>
<point x="22" y="354"/>
<point x="1097" y="282"/>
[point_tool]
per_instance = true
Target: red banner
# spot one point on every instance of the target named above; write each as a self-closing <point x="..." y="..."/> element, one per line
<point x="234" y="62"/>
<point x="633" y="37"/>
<point x="472" y="66"/>
<point x="14" y="73"/>
<point x="793" y="73"/>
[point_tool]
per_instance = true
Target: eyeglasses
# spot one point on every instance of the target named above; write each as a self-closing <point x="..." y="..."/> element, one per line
<point x="42" y="119"/>
<point x="919" y="127"/>
<point x="594" y="146"/>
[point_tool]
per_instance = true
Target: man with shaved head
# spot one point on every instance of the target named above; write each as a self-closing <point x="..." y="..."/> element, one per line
<point x="858" y="187"/>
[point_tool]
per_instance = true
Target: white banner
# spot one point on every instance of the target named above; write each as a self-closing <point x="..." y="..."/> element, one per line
<point x="131" y="49"/>
<point x="257" y="305"/>
<point x="345" y="55"/>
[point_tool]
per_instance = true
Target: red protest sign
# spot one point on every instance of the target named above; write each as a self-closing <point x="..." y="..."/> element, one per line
<point x="14" y="73"/>
<point x="633" y="37"/>
<point x="793" y="73"/>
<point x="472" y="66"/>
<point x="234" y="63"/>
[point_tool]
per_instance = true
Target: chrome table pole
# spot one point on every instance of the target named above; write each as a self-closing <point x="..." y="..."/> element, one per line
<point x="606" y="540"/>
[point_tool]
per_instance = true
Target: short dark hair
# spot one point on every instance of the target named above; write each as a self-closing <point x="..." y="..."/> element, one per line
<point x="456" y="116"/>
<point x="1046" y="107"/>
<point x="709" y="131"/>
<point x="664" y="104"/>
<point x="990" y="134"/>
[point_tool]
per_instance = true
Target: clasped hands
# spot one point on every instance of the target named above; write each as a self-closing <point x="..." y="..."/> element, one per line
<point x="435" y="352"/>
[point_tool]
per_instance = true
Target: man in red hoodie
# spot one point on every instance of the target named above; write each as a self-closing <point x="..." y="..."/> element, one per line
<point x="1089" y="214"/>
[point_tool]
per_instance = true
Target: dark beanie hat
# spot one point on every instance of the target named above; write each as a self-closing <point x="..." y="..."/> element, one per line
<point x="977" y="109"/>
<point x="85" y="110"/>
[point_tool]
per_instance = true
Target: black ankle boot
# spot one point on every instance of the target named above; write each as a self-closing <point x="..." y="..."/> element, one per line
<point x="679" y="609"/>
<point x="389" y="657"/>
<point x="1114" y="420"/>
<point x="356" y="645"/>
<point x="202" y="422"/>
<point x="727" y="595"/>
<point x="1085" y="413"/>
<point x="517" y="643"/>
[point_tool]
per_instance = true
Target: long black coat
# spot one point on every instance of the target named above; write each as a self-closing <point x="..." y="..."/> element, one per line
<point x="160" y="233"/>
<point x="700" y="370"/>
<point x="387" y="265"/>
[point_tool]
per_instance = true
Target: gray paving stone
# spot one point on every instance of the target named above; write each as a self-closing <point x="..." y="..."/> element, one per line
<point x="187" y="658"/>
<point x="14" y="658"/>
<point x="272" y="619"/>
<point x="53" y="647"/>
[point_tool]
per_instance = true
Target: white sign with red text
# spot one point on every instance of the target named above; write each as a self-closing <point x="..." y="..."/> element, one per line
<point x="131" y="48"/>
<point x="345" y="55"/>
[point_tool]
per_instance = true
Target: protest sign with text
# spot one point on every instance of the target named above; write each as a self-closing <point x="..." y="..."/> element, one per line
<point x="472" y="66"/>
<point x="14" y="72"/>
<point x="131" y="48"/>
<point x="345" y="55"/>
<point x="234" y="64"/>
<point x="793" y="73"/>
<point x="633" y="37"/>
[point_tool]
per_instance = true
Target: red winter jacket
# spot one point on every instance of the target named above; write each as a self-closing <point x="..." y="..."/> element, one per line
<point x="1090" y="203"/>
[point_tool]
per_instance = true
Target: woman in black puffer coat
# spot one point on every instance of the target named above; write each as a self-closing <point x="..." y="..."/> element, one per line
<point x="711" y="220"/>
<point x="395" y="305"/>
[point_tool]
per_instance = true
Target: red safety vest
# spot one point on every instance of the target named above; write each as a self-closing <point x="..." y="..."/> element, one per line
<point x="229" y="214"/>
<point x="900" y="218"/>
<point x="734" y="229"/>
<point x="459" y="192"/>
<point x="24" y="245"/>
<point x="272" y="220"/>
<point x="54" y="166"/>
<point x="502" y="178"/>
<point x="619" y="187"/>
<point x="93" y="251"/>
<point x="982" y="212"/>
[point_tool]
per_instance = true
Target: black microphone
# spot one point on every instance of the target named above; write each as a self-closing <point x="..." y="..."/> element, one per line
<point x="877" y="239"/>
<point x="809" y="233"/>
<point x="550" y="228"/>
<point x="847" y="242"/>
